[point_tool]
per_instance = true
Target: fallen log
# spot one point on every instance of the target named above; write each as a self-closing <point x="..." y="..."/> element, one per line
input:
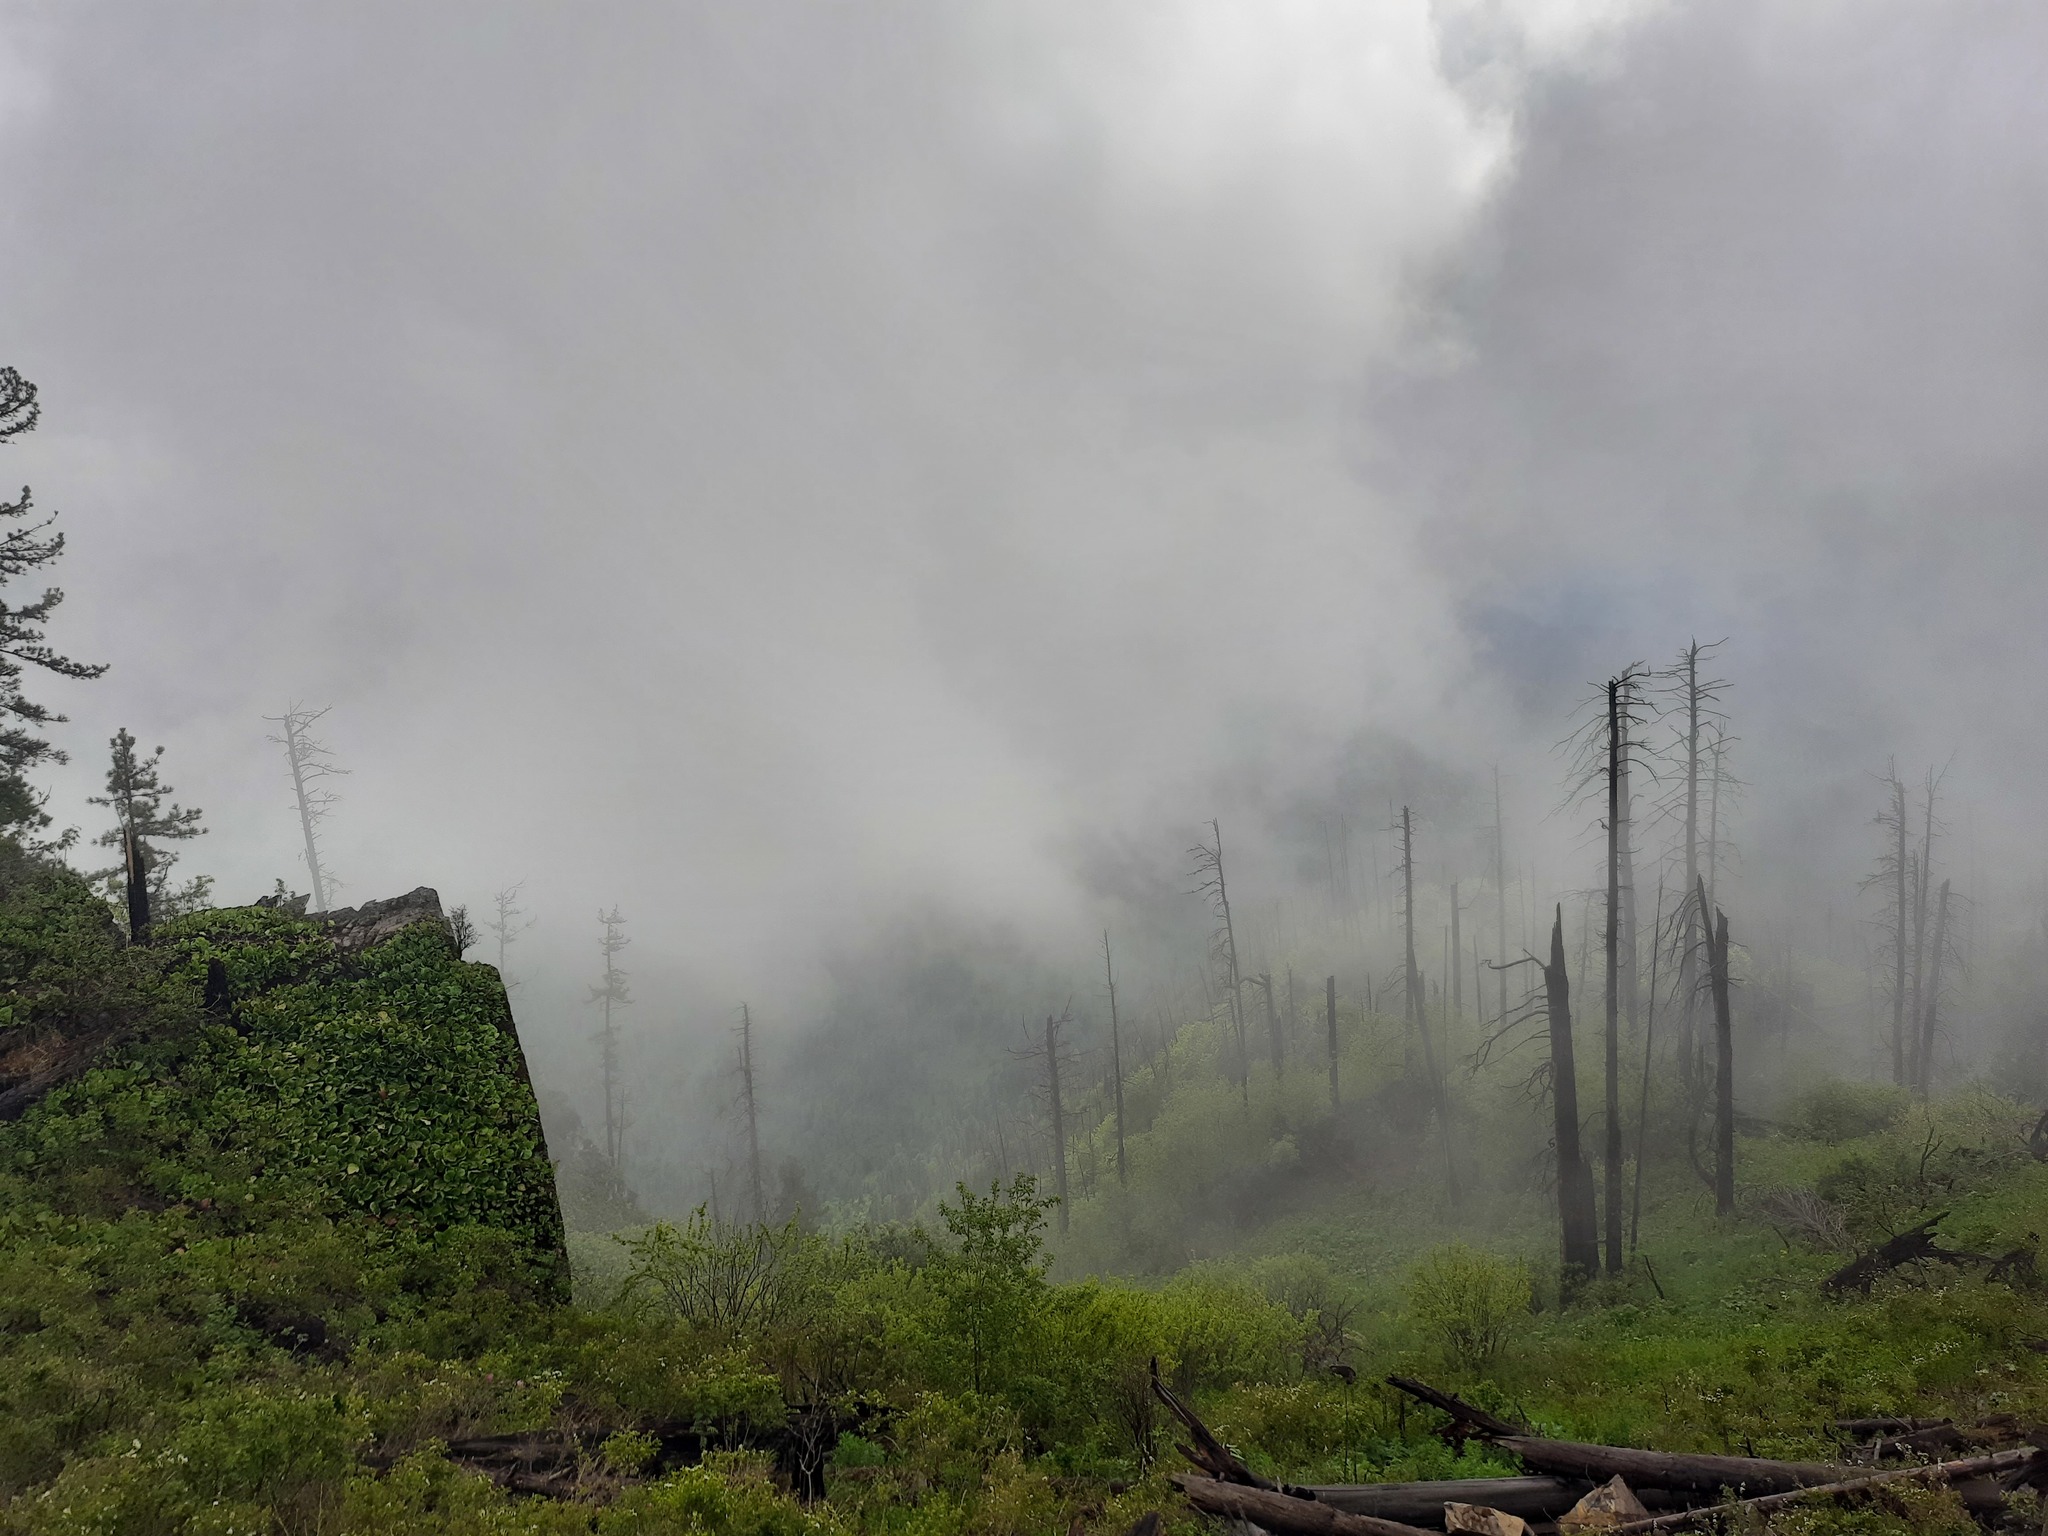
<point x="1969" y="1467"/>
<point x="1283" y="1514"/>
<point x="1910" y="1246"/>
<point x="1531" y="1498"/>
<point x="1692" y="1474"/>
<point x="1704" y="1475"/>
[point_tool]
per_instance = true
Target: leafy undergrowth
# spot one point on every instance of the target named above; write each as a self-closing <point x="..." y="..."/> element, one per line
<point x="264" y="1269"/>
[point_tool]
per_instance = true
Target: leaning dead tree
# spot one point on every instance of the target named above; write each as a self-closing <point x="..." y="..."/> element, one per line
<point x="611" y="994"/>
<point x="1211" y="882"/>
<point x="311" y="765"/>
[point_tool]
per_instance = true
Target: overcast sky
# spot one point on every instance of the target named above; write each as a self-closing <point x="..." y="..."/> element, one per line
<point x="760" y="464"/>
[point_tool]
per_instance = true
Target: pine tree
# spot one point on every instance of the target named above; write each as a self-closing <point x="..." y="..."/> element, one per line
<point x="136" y="794"/>
<point x="26" y="546"/>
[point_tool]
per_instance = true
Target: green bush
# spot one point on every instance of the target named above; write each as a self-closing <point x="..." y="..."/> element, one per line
<point x="1837" y="1111"/>
<point x="1468" y="1303"/>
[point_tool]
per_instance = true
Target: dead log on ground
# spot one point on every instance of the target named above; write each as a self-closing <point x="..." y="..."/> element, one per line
<point x="1885" y="1426"/>
<point x="2023" y="1459"/>
<point x="1698" y="1475"/>
<point x="1911" y="1246"/>
<point x="1283" y="1514"/>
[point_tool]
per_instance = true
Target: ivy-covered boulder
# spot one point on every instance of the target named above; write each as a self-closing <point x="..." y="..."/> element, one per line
<point x="255" y="1063"/>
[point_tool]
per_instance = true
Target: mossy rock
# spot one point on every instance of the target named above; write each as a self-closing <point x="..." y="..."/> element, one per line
<point x="383" y="1086"/>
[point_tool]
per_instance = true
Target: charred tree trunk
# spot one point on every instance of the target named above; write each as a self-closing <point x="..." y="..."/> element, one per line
<point x="1724" y="1065"/>
<point x="1617" y="750"/>
<point x="1581" y="1243"/>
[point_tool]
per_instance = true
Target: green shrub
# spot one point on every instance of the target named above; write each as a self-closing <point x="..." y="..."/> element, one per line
<point x="1838" y="1111"/>
<point x="1467" y="1302"/>
<point x="853" y="1451"/>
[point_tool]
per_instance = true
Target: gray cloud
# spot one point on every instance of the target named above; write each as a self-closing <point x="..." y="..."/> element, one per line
<point x="777" y="466"/>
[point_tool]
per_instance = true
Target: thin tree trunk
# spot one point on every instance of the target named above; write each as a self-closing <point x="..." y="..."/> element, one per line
<point x="1244" y="1061"/>
<point x="1330" y="1016"/>
<point x="1116" y="1060"/>
<point x="1059" y="1119"/>
<point x="1635" y="1215"/>
<point x="1724" y="1067"/>
<point x="1417" y="1010"/>
<point x="1688" y="963"/>
<point x="1500" y="895"/>
<point x="296" y="758"/>
<point x="1923" y="882"/>
<point x="1899" y="1072"/>
<point x="1581" y="1241"/>
<point x="1456" y="963"/>
<point x="1933" y="992"/>
<point x="1264" y="982"/>
<point x="1617" y="747"/>
<point x="753" y="1125"/>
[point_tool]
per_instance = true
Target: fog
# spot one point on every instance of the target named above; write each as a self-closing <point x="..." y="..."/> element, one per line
<point x="860" y="489"/>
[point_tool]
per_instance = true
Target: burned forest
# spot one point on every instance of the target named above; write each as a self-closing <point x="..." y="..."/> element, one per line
<point x="1142" y="769"/>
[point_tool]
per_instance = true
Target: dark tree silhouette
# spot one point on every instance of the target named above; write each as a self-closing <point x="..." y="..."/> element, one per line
<point x="26" y="545"/>
<point x="136" y="794"/>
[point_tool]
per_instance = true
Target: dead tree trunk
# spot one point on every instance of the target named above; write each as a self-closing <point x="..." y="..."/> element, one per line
<point x="1933" y="1002"/>
<point x="1695" y="922"/>
<point x="1330" y="1017"/>
<point x="1059" y="1119"/>
<point x="753" y="1125"/>
<point x="1724" y="1064"/>
<point x="1617" y="752"/>
<point x="1215" y="885"/>
<point x="1418" y="1014"/>
<point x="1456" y="964"/>
<point x="1581" y="1243"/>
<point x="1500" y="900"/>
<point x="1635" y="1213"/>
<point x="1264" y="982"/>
<point x="1116" y="1060"/>
<point x="1900" y="1075"/>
